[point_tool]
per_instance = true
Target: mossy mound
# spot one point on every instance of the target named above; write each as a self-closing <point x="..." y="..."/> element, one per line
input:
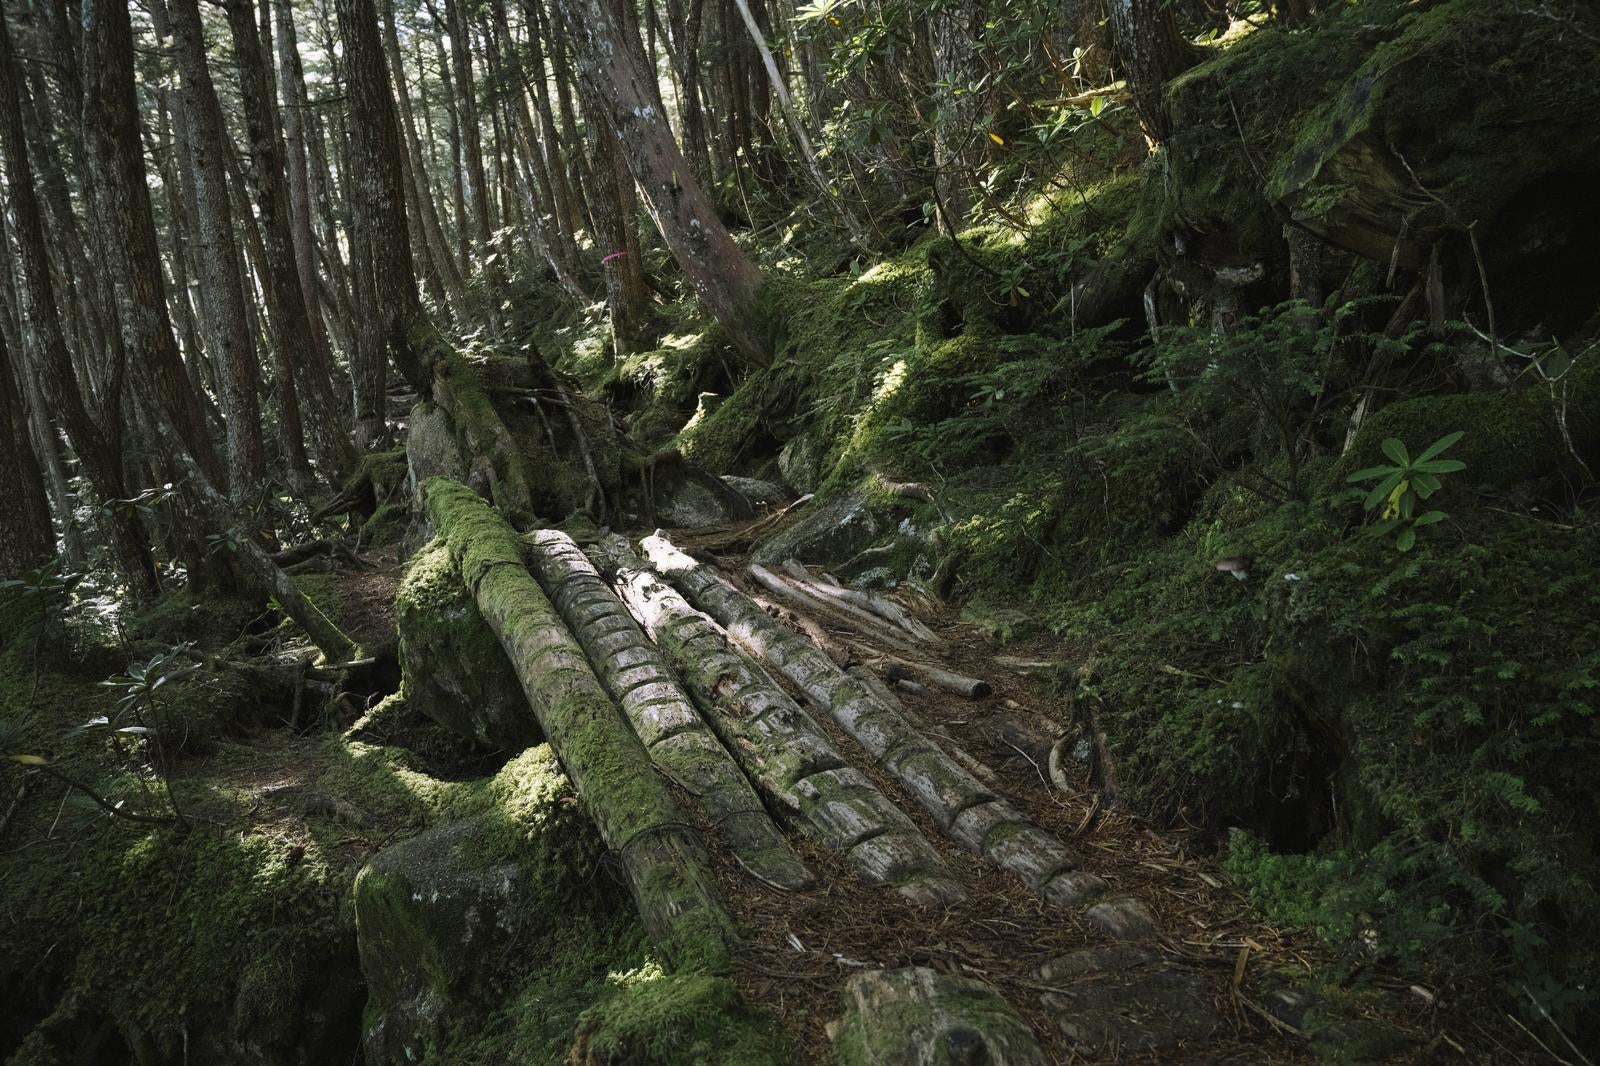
<point x="455" y="671"/>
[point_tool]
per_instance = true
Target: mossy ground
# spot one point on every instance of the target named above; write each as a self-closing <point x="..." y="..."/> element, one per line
<point x="1406" y="733"/>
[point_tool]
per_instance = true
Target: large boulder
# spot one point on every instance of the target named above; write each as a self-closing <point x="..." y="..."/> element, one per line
<point x="452" y="924"/>
<point x="431" y="913"/>
<point x="455" y="671"/>
<point x="838" y="529"/>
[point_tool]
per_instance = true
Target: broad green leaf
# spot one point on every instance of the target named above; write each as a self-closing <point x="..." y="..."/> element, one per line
<point x="1396" y="451"/>
<point x="1382" y="490"/>
<point x="1429" y="518"/>
<point x="1406" y="540"/>
<point x="1441" y="466"/>
<point x="1371" y="472"/>
<point x="1425" y="484"/>
<point x="1440" y="445"/>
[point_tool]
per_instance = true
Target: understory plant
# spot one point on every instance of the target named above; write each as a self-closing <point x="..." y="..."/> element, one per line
<point x="1400" y="485"/>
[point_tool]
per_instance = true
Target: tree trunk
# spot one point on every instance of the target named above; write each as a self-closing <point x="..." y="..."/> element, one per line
<point x="120" y="197"/>
<point x="26" y="536"/>
<point x="663" y="717"/>
<point x="427" y="213"/>
<point x="222" y="292"/>
<point x="1152" y="53"/>
<point x="662" y="856"/>
<point x="98" y="445"/>
<point x="797" y="128"/>
<point x="781" y="749"/>
<point x="472" y="139"/>
<point x="378" y="193"/>
<point x="721" y="275"/>
<point x="956" y="136"/>
<point x="295" y="337"/>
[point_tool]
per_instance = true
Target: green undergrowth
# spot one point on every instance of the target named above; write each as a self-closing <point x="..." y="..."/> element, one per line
<point x="236" y="937"/>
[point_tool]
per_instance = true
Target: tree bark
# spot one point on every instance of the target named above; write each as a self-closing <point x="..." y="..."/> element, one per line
<point x="428" y="214"/>
<point x="663" y="717"/>
<point x="720" y="273"/>
<point x="1152" y="53"/>
<point x="662" y="856"/>
<point x="26" y="535"/>
<point x="963" y="807"/>
<point x="98" y="445"/>
<point x="472" y="140"/>
<point x="378" y="193"/>
<point x="956" y="148"/>
<point x="222" y="293"/>
<point x="120" y="197"/>
<point x="295" y="337"/>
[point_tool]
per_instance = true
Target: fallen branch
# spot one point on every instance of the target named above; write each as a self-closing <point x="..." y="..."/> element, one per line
<point x="864" y="601"/>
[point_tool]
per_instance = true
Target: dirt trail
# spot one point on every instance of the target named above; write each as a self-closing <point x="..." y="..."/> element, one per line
<point x="803" y="947"/>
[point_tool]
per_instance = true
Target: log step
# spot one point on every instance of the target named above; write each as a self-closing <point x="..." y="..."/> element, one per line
<point x="782" y="750"/>
<point x="677" y="739"/>
<point x="964" y="807"/>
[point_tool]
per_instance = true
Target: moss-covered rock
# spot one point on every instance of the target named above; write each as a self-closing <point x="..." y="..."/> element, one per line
<point x="917" y="1015"/>
<point x="455" y="671"/>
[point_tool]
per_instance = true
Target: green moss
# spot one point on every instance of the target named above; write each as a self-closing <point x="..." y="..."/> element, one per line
<point x="655" y="1018"/>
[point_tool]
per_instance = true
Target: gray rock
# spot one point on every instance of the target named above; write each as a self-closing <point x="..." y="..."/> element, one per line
<point x="1127" y="997"/>
<point x="759" y="493"/>
<point x="833" y="531"/>
<point x="689" y="498"/>
<point x="430" y="914"/>
<point x="800" y="462"/>
<point x="918" y="1017"/>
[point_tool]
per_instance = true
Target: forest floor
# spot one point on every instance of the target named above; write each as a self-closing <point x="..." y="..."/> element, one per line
<point x="801" y="948"/>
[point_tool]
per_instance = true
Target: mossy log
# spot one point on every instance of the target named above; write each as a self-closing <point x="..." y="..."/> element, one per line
<point x="662" y="856"/>
<point x="782" y="750"/>
<point x="636" y="675"/>
<point x="964" y="808"/>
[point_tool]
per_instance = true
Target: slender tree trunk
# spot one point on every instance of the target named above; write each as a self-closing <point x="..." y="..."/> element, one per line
<point x="427" y="214"/>
<point x="458" y="166"/>
<point x="472" y="139"/>
<point x="26" y="536"/>
<point x="796" y="127"/>
<point x="98" y="446"/>
<point x="111" y="122"/>
<point x="302" y="378"/>
<point x="562" y="201"/>
<point x="315" y="371"/>
<point x="221" y="285"/>
<point x="378" y="193"/>
<point x="724" y="279"/>
<point x="956" y="147"/>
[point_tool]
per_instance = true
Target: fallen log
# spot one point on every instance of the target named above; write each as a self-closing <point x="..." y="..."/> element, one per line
<point x="964" y="808"/>
<point x="864" y="601"/>
<point x="973" y="688"/>
<point x="637" y="677"/>
<point x="871" y="625"/>
<point x="782" y="750"/>
<point x="662" y="856"/>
